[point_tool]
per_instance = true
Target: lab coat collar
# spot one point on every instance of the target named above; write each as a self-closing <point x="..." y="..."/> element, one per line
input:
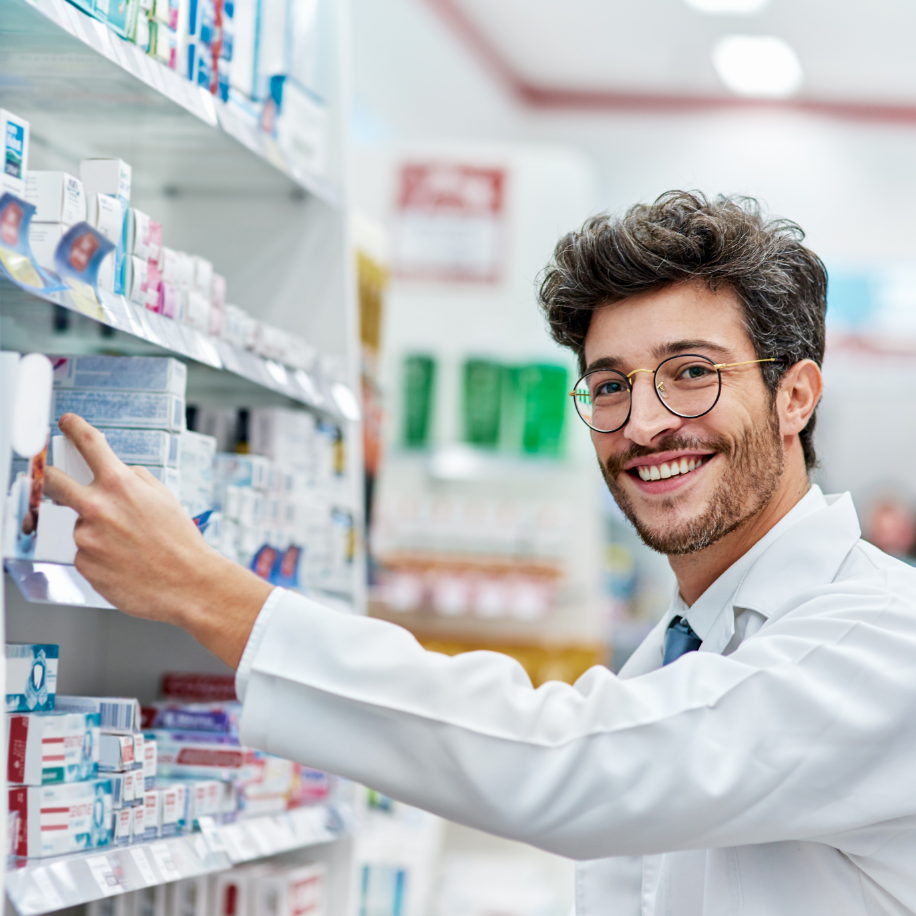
<point x="802" y="551"/>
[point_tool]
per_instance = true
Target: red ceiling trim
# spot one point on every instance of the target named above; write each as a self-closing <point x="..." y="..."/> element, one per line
<point x="551" y="98"/>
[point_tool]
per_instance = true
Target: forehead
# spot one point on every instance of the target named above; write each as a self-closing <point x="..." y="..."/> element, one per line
<point x="641" y="326"/>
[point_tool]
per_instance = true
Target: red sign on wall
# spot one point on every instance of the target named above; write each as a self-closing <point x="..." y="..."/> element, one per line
<point x="450" y="223"/>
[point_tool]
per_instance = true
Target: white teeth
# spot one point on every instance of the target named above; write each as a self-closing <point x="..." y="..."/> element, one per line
<point x="665" y="470"/>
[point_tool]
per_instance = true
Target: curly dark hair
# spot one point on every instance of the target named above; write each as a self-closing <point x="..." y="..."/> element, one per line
<point x="683" y="237"/>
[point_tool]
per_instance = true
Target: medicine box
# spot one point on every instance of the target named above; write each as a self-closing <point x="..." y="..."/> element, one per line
<point x="132" y="446"/>
<point x="138" y="824"/>
<point x="139" y="243"/>
<point x="116" y="752"/>
<point x="14" y="132"/>
<point x="152" y="816"/>
<point x="150" y="762"/>
<point x="31" y="676"/>
<point x="122" y="827"/>
<point x="57" y="197"/>
<point x="105" y="214"/>
<point x="117" y="715"/>
<point x="65" y="818"/>
<point x="243" y="470"/>
<point x="121" y="373"/>
<point x="131" y="409"/>
<point x="107" y="176"/>
<point x="43" y="240"/>
<point x="52" y="747"/>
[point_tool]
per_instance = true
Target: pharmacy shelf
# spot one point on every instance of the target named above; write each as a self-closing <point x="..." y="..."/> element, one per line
<point x="56" y="59"/>
<point x="36" y="886"/>
<point x="29" y="318"/>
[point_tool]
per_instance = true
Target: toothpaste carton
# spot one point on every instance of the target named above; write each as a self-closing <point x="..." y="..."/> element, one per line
<point x="56" y="196"/>
<point x="122" y="820"/>
<point x="117" y="715"/>
<point x="65" y="818"/>
<point x="194" y="686"/>
<point x="52" y="747"/>
<point x="31" y="676"/>
<point x="139" y="752"/>
<point x="119" y="790"/>
<point x="174" y="809"/>
<point x="149" y="762"/>
<point x="133" y="409"/>
<point x="152" y="816"/>
<point x="121" y="373"/>
<point x="138" y="824"/>
<point x="116" y="752"/>
<point x="204" y="759"/>
<point x="14" y="152"/>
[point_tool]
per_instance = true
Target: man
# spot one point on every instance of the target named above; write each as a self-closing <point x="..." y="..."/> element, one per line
<point x="757" y="754"/>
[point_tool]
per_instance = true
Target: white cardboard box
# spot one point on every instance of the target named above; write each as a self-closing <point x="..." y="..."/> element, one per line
<point x="58" y="197"/>
<point x="43" y="240"/>
<point x="14" y="134"/>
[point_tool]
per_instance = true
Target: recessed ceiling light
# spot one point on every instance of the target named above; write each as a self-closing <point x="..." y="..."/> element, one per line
<point x="728" y="7"/>
<point x="757" y="65"/>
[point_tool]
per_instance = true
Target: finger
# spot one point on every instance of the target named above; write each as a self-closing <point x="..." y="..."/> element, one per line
<point x="91" y="444"/>
<point x="143" y="474"/>
<point x="64" y="489"/>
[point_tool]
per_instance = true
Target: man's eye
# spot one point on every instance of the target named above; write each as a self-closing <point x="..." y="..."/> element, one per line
<point x="606" y="388"/>
<point x="692" y="373"/>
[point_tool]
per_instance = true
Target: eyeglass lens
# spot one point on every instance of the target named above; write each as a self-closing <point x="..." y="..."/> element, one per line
<point x="687" y="385"/>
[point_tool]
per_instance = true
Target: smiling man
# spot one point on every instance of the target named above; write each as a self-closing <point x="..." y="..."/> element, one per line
<point x="756" y="754"/>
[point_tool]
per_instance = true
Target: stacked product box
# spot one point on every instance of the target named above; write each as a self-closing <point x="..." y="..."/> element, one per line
<point x="199" y="748"/>
<point x="137" y="401"/>
<point x="14" y="132"/>
<point x="197" y="454"/>
<point x="60" y="201"/>
<point x="124" y="757"/>
<point x="107" y="183"/>
<point x="142" y="263"/>
<point x="58" y="800"/>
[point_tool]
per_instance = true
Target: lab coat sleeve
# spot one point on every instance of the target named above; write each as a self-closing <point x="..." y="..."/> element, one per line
<point x="808" y="730"/>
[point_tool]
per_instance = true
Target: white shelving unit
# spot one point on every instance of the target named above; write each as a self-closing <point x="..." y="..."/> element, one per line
<point x="277" y="228"/>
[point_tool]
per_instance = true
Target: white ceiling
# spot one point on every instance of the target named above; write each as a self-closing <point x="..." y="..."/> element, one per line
<point x="851" y="51"/>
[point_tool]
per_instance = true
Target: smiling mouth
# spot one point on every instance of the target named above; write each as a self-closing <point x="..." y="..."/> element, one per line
<point x="666" y="469"/>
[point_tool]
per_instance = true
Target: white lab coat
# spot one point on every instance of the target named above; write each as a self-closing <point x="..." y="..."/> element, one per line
<point x="778" y="779"/>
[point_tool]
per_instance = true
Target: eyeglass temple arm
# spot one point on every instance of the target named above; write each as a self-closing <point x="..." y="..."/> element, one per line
<point x="747" y="362"/>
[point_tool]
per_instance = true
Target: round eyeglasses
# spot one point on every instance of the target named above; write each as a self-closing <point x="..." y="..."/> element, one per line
<point x="688" y="385"/>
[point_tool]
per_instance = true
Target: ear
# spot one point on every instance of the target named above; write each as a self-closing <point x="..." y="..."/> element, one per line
<point x="799" y="392"/>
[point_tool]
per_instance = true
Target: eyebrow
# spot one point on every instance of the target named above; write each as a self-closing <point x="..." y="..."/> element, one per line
<point x="662" y="351"/>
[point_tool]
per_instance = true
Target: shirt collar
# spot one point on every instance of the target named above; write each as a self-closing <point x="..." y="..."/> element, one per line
<point x="805" y="549"/>
<point x="705" y="615"/>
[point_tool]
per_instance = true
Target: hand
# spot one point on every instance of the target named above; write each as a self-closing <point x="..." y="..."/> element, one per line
<point x="140" y="551"/>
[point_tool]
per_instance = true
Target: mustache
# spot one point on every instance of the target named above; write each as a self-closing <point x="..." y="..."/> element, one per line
<point x="615" y="465"/>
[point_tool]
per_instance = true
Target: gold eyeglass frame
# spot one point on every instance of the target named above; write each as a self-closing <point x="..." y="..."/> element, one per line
<point x="660" y="387"/>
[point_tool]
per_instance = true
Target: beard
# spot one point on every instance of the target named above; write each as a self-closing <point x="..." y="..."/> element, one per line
<point x="754" y="467"/>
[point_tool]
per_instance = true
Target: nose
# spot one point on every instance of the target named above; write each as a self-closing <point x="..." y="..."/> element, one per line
<point x="649" y="419"/>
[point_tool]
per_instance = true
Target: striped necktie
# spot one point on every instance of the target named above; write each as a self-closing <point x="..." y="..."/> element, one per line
<point x="679" y="640"/>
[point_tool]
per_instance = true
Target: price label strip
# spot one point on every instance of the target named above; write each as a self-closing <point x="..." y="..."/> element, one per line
<point x="163" y="859"/>
<point x="141" y="860"/>
<point x="51" y="899"/>
<point x="103" y="870"/>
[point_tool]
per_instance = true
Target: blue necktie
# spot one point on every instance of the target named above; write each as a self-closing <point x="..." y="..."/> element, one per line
<point x="679" y="640"/>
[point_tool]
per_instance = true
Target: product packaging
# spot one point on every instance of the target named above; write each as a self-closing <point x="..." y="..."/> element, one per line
<point x="52" y="747"/>
<point x="121" y="373"/>
<point x="56" y="196"/>
<point x="31" y="676"/>
<point x="111" y="177"/>
<point x="116" y="752"/>
<point x="15" y="133"/>
<point x="243" y="471"/>
<point x="122" y="822"/>
<point x="205" y="717"/>
<point x="174" y="804"/>
<point x="143" y="446"/>
<point x="134" y="410"/>
<point x="150" y="762"/>
<point x="152" y="817"/>
<point x="65" y="818"/>
<point x="196" y="687"/>
<point x="138" y="824"/>
<point x="43" y="240"/>
<point x="204" y="759"/>
<point x="117" y="715"/>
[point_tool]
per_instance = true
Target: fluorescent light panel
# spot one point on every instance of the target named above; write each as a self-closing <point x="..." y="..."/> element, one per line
<point x="728" y="7"/>
<point x="761" y="66"/>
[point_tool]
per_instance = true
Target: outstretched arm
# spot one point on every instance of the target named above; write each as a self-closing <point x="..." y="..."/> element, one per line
<point x="140" y="551"/>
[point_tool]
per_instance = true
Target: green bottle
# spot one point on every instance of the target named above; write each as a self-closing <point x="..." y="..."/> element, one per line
<point x="544" y="390"/>
<point x="419" y="381"/>
<point x="482" y="401"/>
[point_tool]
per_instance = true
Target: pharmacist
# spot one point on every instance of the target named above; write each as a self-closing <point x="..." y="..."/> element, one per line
<point x="757" y="754"/>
